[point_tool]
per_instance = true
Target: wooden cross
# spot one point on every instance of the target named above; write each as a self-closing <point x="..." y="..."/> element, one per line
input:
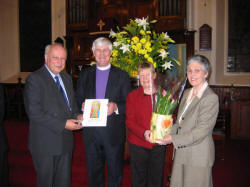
<point x="101" y="24"/>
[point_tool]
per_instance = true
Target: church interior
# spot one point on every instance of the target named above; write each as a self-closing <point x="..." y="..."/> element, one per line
<point x="217" y="29"/>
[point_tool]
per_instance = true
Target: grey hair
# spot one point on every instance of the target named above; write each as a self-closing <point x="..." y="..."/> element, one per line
<point x="202" y="60"/>
<point x="47" y="48"/>
<point x="101" y="41"/>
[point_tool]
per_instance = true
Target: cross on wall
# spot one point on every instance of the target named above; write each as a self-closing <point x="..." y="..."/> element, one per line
<point x="101" y="24"/>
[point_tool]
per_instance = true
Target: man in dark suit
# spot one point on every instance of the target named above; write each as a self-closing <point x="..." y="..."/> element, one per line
<point x="50" y="104"/>
<point x="3" y="145"/>
<point x="104" y="143"/>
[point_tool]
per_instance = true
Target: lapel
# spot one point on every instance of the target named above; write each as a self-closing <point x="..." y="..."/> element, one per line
<point x="196" y="100"/>
<point x="110" y="83"/>
<point x="51" y="84"/>
<point x="92" y="82"/>
<point x="193" y="104"/>
<point x="67" y="88"/>
<point x="49" y="79"/>
<point x="182" y="105"/>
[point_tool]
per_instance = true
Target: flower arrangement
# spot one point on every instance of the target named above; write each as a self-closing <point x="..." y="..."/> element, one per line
<point x="138" y="43"/>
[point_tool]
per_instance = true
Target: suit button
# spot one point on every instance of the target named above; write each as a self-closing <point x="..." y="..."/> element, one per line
<point x="182" y="118"/>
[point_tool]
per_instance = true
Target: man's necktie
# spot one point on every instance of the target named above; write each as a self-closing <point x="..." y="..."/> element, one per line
<point x="62" y="91"/>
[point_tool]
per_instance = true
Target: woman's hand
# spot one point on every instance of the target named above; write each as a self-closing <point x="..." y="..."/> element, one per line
<point x="166" y="140"/>
<point x="147" y="136"/>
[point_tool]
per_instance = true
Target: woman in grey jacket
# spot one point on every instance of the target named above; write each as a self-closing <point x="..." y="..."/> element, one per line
<point x="192" y="134"/>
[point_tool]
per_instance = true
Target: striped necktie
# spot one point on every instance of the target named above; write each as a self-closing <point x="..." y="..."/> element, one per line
<point x="62" y="91"/>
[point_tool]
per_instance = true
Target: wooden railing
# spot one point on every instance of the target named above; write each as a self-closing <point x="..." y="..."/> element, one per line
<point x="230" y="93"/>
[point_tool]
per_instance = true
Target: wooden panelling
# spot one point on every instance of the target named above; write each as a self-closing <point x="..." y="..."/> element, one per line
<point x="14" y="105"/>
<point x="139" y="9"/>
<point x="240" y="110"/>
<point x="233" y="92"/>
<point x="235" y="102"/>
<point x="223" y="92"/>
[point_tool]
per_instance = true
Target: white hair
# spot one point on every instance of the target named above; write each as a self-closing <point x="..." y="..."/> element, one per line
<point x="100" y="42"/>
<point x="48" y="47"/>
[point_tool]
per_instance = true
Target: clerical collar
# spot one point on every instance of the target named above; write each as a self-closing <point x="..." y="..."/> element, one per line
<point x="103" y="68"/>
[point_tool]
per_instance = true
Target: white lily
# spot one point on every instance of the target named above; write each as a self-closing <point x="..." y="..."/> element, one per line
<point x="125" y="48"/>
<point x="112" y="33"/>
<point x="166" y="36"/>
<point x="167" y="65"/>
<point x="142" y="22"/>
<point x="116" y="44"/>
<point x="163" y="54"/>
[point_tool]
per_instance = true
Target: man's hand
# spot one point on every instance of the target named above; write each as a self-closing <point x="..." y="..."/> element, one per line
<point x="72" y="124"/>
<point x="112" y="107"/>
<point x="147" y="136"/>
<point x="80" y="117"/>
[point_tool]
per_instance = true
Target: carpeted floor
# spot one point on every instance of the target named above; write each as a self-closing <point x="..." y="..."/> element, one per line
<point x="233" y="171"/>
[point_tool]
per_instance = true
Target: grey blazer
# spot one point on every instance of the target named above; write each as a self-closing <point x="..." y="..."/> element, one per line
<point x="192" y="135"/>
<point x="48" y="113"/>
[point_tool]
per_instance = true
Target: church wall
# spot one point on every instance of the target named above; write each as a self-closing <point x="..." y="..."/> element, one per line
<point x="9" y="39"/>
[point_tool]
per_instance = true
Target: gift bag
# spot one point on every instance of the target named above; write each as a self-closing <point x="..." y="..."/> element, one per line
<point x="159" y="126"/>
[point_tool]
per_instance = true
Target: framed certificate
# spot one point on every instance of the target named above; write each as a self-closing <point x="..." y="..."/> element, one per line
<point x="95" y="113"/>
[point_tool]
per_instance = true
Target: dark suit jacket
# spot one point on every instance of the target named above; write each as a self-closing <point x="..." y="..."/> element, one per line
<point x="48" y="112"/>
<point x="3" y="139"/>
<point x="117" y="90"/>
